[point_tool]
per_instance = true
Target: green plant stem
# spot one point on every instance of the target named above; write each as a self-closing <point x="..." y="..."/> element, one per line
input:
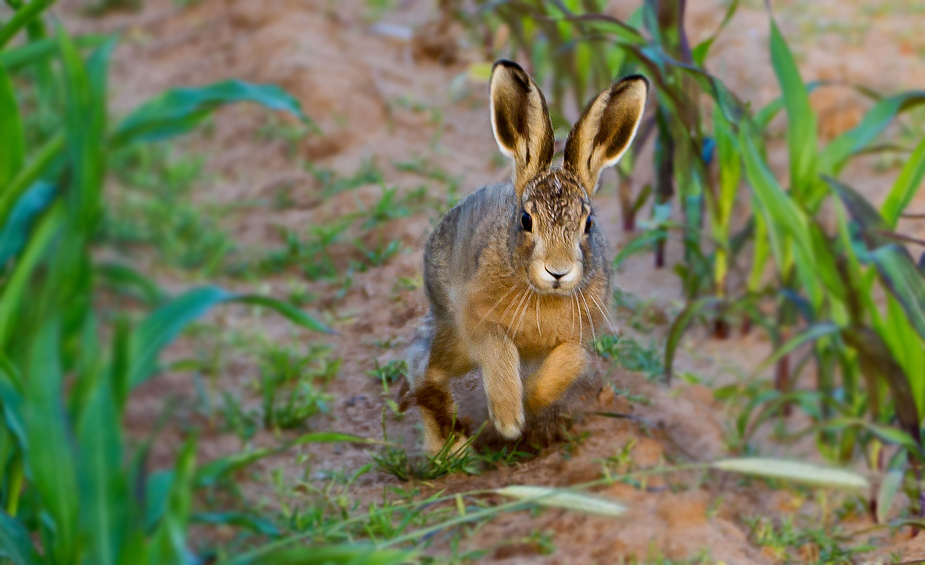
<point x="16" y="479"/>
<point x="21" y="18"/>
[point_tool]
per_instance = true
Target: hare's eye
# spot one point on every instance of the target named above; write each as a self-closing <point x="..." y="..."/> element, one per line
<point x="526" y="222"/>
<point x="588" y="223"/>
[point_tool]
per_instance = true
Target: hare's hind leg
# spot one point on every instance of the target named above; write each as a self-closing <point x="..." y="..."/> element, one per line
<point x="565" y="363"/>
<point x="432" y="389"/>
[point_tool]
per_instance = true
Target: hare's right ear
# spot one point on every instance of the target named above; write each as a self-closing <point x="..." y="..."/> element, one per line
<point x="606" y="129"/>
<point x="520" y="121"/>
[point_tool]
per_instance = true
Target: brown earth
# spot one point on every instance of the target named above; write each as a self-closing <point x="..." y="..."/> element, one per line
<point x="380" y="96"/>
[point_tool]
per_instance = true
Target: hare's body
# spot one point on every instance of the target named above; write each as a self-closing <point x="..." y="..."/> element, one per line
<point x="517" y="274"/>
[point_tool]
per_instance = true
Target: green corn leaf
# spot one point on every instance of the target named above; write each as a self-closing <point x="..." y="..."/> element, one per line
<point x="23" y="17"/>
<point x="352" y="554"/>
<point x="49" y="458"/>
<point x="13" y="154"/>
<point x="15" y="543"/>
<point x="638" y="245"/>
<point x="906" y="186"/>
<point x="16" y="230"/>
<point x="901" y="276"/>
<point x="793" y="471"/>
<point x="889" y="486"/>
<point x="809" y="335"/>
<point x="878" y="361"/>
<point x="38" y="51"/>
<point x="104" y="494"/>
<point x="180" y="110"/>
<point x="85" y="123"/>
<point x="764" y="116"/>
<point x="801" y="121"/>
<point x="164" y="324"/>
<point x="131" y="281"/>
<point x="30" y="174"/>
<point x="680" y="325"/>
<point x="701" y="50"/>
<point x="783" y="218"/>
<point x="570" y="500"/>
<point x="15" y="287"/>
<point x="168" y="543"/>
<point x="255" y="524"/>
<point x="863" y="213"/>
<point x="833" y="158"/>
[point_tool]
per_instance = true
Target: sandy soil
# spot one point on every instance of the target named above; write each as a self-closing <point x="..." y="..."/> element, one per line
<point x="352" y="80"/>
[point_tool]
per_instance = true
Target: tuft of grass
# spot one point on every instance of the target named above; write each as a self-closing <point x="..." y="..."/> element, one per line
<point x="631" y="355"/>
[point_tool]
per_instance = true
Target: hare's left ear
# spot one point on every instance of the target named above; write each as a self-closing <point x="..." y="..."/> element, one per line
<point x="520" y="122"/>
<point x="606" y="129"/>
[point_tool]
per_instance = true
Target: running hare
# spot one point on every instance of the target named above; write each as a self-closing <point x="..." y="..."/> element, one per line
<point x="518" y="272"/>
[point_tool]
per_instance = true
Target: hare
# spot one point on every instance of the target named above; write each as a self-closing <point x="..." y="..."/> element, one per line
<point x="517" y="273"/>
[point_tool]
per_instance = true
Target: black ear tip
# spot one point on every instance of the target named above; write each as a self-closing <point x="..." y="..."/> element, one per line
<point x="629" y="80"/>
<point x="507" y="64"/>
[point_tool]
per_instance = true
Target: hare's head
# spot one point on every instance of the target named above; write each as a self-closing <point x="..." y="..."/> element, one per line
<point x="553" y="232"/>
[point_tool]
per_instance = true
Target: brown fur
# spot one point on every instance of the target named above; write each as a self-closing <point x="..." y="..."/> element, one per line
<point x="518" y="273"/>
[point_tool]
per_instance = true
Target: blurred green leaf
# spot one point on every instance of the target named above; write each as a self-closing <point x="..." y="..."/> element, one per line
<point x="49" y="457"/>
<point x="36" y="51"/>
<point x="239" y="519"/>
<point x="680" y="325"/>
<point x="168" y="543"/>
<point x="15" y="543"/>
<point x="886" y="493"/>
<point x="877" y="360"/>
<point x="103" y="492"/>
<point x="901" y="276"/>
<point x="164" y="324"/>
<point x="589" y="503"/>
<point x="801" y="121"/>
<point x="30" y="174"/>
<point x="126" y="278"/>
<point x="701" y="50"/>
<point x="906" y="186"/>
<point x="180" y="110"/>
<point x="13" y="154"/>
<point x="352" y="554"/>
<point x="793" y="471"/>
<point x="16" y="230"/>
<point x="23" y="17"/>
<point x="833" y="158"/>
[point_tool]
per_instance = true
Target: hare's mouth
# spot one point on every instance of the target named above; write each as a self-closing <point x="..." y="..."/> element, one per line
<point x="560" y="279"/>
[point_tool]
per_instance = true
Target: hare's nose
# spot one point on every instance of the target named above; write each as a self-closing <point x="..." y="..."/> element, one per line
<point x="558" y="274"/>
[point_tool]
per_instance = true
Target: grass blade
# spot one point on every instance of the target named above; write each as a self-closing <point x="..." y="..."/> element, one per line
<point x="679" y="326"/>
<point x="352" y="554"/>
<point x="558" y="498"/>
<point x="793" y="471"/>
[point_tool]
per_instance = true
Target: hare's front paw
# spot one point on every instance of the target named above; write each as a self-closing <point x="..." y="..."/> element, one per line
<point x="508" y="417"/>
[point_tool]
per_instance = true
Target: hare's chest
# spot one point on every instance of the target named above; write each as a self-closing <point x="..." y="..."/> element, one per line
<point x="538" y="322"/>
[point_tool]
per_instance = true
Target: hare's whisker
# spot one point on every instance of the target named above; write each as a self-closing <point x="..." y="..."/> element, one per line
<point x="607" y="317"/>
<point x="520" y="303"/>
<point x="538" y="328"/>
<point x="588" y="309"/>
<point x="506" y="294"/>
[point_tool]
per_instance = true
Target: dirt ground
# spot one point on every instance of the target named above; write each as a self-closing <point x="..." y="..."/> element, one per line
<point x="355" y="80"/>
